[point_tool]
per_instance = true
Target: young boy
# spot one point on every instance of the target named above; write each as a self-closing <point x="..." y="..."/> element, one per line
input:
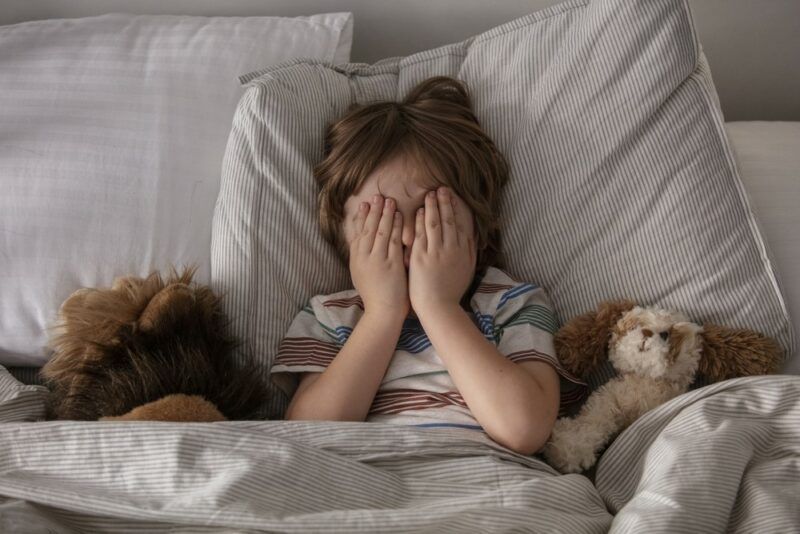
<point x="433" y="333"/>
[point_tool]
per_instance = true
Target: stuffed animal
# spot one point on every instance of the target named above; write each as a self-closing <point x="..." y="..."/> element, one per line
<point x="148" y="349"/>
<point x="657" y="354"/>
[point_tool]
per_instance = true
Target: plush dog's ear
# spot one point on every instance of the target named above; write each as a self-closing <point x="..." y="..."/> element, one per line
<point x="731" y="352"/>
<point x="582" y="343"/>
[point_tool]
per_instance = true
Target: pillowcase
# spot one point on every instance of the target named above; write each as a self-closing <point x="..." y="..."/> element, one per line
<point x="622" y="181"/>
<point x="113" y="131"/>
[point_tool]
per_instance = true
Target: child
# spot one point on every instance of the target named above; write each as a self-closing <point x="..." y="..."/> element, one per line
<point x="433" y="333"/>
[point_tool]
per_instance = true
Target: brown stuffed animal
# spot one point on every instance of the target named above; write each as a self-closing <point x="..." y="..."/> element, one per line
<point x="148" y="349"/>
<point x="657" y="354"/>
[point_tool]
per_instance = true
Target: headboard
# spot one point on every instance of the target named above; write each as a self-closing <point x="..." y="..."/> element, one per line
<point x="753" y="47"/>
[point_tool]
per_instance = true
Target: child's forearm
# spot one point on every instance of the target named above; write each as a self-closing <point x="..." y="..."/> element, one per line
<point x="346" y="389"/>
<point x="507" y="401"/>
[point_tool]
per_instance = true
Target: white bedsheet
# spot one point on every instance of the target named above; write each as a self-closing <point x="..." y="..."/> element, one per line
<point x="723" y="458"/>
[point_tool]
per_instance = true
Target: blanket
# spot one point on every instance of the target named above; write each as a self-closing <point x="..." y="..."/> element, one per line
<point x="723" y="458"/>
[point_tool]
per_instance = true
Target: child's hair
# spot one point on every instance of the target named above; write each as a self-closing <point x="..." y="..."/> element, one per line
<point x="433" y="126"/>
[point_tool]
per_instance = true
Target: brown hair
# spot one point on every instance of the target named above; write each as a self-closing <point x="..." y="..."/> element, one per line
<point x="435" y="127"/>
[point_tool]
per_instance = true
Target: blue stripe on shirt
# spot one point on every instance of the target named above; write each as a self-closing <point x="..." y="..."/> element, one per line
<point x="512" y="293"/>
<point x="343" y="333"/>
<point x="414" y="345"/>
<point x="486" y="324"/>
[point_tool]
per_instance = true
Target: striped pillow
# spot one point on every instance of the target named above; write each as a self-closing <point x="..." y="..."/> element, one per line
<point x="622" y="180"/>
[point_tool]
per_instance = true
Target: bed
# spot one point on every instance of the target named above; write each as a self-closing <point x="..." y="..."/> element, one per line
<point x="721" y="458"/>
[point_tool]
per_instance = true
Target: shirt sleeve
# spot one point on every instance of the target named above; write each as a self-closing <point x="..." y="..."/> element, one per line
<point x="310" y="345"/>
<point x="524" y="325"/>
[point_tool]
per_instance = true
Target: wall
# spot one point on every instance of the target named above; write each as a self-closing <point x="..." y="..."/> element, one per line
<point x="753" y="46"/>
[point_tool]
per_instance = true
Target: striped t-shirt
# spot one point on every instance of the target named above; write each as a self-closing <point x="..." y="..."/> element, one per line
<point x="417" y="389"/>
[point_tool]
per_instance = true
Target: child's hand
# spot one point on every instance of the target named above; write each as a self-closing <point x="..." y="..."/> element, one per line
<point x="443" y="255"/>
<point x="376" y="258"/>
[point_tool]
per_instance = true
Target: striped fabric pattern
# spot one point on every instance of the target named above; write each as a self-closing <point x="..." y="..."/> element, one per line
<point x="308" y="351"/>
<point x="417" y="388"/>
<point x="396" y="401"/>
<point x="622" y="180"/>
<point x="20" y="402"/>
<point x="724" y="458"/>
<point x="113" y="131"/>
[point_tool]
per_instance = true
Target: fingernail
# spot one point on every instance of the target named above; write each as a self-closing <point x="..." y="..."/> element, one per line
<point x="443" y="191"/>
<point x="432" y="194"/>
<point x="363" y="206"/>
<point x="376" y="198"/>
<point x="397" y="216"/>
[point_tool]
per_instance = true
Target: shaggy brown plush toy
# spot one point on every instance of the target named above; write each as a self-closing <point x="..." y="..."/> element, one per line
<point x="657" y="354"/>
<point x="148" y="349"/>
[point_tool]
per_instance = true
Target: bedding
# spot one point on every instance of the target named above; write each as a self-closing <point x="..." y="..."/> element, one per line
<point x="622" y="182"/>
<point x="112" y="132"/>
<point x="723" y="458"/>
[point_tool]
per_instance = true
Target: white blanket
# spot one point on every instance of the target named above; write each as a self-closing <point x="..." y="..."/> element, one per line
<point x="724" y="458"/>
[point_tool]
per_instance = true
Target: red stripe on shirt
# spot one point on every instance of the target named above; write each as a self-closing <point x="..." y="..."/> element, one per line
<point x="345" y="303"/>
<point x="400" y="400"/>
<point x="492" y="288"/>
<point x="306" y="350"/>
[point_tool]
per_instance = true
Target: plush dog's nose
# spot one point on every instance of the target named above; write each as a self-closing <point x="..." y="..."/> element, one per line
<point x="664" y="335"/>
<point x="646" y="332"/>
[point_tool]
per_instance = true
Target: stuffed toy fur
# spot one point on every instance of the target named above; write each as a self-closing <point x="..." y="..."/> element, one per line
<point x="657" y="354"/>
<point x="148" y="349"/>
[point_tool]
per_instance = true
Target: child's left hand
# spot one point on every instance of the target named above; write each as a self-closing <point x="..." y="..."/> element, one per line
<point x="443" y="254"/>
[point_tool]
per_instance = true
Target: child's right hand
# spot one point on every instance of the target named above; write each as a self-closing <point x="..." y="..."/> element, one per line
<point x="376" y="258"/>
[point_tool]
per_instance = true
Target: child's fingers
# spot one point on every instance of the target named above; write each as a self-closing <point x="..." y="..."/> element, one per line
<point x="420" y="239"/>
<point x="433" y="224"/>
<point x="371" y="224"/>
<point x="395" y="241"/>
<point x="384" y="232"/>
<point x="361" y="217"/>
<point x="464" y="220"/>
<point x="450" y="236"/>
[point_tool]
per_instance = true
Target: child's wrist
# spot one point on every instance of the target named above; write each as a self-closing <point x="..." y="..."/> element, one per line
<point x="385" y="316"/>
<point x="438" y="308"/>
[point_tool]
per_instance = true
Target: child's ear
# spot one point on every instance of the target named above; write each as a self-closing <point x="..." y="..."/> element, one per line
<point x="731" y="352"/>
<point x="582" y="343"/>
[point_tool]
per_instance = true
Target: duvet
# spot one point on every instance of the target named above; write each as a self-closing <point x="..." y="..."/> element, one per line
<point x="723" y="458"/>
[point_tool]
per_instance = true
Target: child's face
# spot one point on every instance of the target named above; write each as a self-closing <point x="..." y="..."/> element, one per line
<point x="399" y="179"/>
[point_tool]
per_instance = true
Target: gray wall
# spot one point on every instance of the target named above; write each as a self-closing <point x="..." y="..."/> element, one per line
<point x="753" y="46"/>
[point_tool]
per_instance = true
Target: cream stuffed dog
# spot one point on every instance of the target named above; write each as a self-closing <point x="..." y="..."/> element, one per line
<point x="657" y="354"/>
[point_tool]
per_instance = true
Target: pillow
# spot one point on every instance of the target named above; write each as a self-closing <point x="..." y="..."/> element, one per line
<point x="112" y="131"/>
<point x="622" y="182"/>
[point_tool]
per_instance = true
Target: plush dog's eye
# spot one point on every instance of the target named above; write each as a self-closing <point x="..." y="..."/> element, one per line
<point x="664" y="335"/>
